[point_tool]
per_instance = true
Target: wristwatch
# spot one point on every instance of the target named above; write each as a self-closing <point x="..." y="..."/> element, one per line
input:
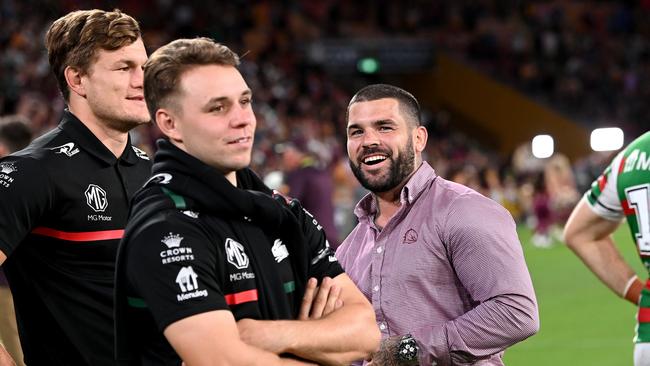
<point x="407" y="349"/>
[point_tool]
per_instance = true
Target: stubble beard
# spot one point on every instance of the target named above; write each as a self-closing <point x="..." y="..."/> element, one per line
<point x="399" y="169"/>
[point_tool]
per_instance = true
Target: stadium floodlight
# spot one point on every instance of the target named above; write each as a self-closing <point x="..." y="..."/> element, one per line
<point x="606" y="139"/>
<point x="543" y="146"/>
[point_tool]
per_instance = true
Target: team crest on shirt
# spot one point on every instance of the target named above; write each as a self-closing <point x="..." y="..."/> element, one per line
<point x="410" y="237"/>
<point x="188" y="283"/>
<point x="140" y="153"/>
<point x="96" y="198"/>
<point x="67" y="149"/>
<point x="279" y="250"/>
<point x="235" y="254"/>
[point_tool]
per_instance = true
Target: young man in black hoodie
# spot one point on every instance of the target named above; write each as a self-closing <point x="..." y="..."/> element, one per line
<point x="213" y="268"/>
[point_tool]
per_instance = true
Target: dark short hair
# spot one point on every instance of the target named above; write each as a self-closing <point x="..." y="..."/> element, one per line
<point x="407" y="102"/>
<point x="163" y="70"/>
<point x="15" y="133"/>
<point x="73" y="40"/>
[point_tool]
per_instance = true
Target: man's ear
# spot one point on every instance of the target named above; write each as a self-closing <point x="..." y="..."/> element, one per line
<point x="420" y="136"/>
<point x="168" y="124"/>
<point x="73" y="78"/>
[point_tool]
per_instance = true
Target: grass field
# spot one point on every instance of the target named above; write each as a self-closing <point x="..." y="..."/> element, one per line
<point x="582" y="322"/>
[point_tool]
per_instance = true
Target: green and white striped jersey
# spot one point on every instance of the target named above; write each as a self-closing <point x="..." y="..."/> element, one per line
<point x="623" y="190"/>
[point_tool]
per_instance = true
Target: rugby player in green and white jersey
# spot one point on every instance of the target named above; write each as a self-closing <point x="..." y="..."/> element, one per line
<point x="623" y="190"/>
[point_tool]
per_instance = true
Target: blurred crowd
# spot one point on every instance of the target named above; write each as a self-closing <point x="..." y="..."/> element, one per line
<point x="588" y="60"/>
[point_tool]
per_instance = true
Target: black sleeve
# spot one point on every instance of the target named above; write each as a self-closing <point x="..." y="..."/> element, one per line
<point x="171" y="265"/>
<point x="322" y="261"/>
<point x="26" y="192"/>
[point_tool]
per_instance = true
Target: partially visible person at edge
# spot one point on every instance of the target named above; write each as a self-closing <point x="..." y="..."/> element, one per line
<point x="310" y="184"/>
<point x="212" y="268"/>
<point x="15" y="135"/>
<point x="622" y="191"/>
<point x="441" y="263"/>
<point x="65" y="197"/>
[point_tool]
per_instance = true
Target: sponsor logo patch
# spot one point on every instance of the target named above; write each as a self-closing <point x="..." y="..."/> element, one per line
<point x="140" y="153"/>
<point x="5" y="170"/>
<point x="160" y="178"/>
<point x="174" y="252"/>
<point x="188" y="283"/>
<point x="172" y="240"/>
<point x="67" y="149"/>
<point x="96" y="198"/>
<point x="235" y="254"/>
<point x="192" y="214"/>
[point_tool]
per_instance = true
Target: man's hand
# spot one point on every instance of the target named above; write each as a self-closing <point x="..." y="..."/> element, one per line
<point x="319" y="301"/>
<point x="5" y="358"/>
<point x="387" y="354"/>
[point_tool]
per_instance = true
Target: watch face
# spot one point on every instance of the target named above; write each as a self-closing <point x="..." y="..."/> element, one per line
<point x="407" y="349"/>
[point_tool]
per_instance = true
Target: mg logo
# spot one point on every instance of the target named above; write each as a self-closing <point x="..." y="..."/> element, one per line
<point x="96" y="198"/>
<point x="236" y="255"/>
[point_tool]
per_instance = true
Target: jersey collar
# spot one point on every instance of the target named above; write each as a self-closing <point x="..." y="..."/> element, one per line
<point x="81" y="135"/>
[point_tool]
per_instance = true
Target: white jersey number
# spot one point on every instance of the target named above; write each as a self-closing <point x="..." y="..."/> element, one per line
<point x="638" y="198"/>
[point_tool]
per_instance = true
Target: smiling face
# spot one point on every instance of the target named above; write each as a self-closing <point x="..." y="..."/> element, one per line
<point x="113" y="87"/>
<point x="383" y="147"/>
<point x="213" y="119"/>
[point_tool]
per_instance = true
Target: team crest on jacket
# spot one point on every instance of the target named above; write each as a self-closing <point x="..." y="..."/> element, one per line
<point x="96" y="198"/>
<point x="279" y="250"/>
<point x="67" y="149"/>
<point x="7" y="168"/>
<point x="235" y="254"/>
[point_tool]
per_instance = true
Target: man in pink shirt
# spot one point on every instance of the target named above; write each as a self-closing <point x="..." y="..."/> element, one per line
<point x="441" y="264"/>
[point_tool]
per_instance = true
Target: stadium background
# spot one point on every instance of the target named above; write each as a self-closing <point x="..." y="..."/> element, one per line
<point x="490" y="75"/>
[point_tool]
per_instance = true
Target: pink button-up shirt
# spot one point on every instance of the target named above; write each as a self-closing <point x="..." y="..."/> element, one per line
<point x="447" y="268"/>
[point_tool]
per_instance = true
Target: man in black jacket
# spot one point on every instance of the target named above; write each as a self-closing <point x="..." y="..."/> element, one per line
<point x="212" y="269"/>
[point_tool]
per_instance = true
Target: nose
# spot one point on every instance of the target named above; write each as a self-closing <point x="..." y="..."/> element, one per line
<point x="242" y="116"/>
<point x="137" y="78"/>
<point x="370" y="138"/>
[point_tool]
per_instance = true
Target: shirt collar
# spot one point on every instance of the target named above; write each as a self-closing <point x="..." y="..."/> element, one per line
<point x="367" y="206"/>
<point x="81" y="135"/>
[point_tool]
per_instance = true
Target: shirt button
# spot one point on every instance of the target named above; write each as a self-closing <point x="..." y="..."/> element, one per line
<point x="382" y="326"/>
<point x="379" y="250"/>
<point x="376" y="288"/>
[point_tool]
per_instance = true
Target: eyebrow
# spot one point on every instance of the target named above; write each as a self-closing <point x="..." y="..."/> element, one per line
<point x="381" y="122"/>
<point x="245" y="93"/>
<point x="128" y="62"/>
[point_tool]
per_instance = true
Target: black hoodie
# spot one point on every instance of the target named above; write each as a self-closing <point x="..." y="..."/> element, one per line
<point x="196" y="243"/>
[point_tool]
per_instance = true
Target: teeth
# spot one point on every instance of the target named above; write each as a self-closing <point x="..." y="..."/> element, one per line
<point x="373" y="158"/>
